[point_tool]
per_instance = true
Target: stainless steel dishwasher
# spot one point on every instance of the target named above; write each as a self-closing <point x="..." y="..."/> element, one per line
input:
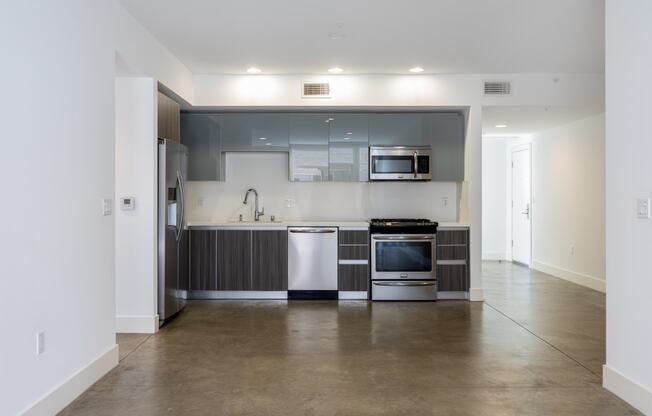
<point x="312" y="262"/>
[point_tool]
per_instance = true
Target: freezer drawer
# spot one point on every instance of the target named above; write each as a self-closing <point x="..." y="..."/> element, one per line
<point x="312" y="259"/>
<point x="404" y="290"/>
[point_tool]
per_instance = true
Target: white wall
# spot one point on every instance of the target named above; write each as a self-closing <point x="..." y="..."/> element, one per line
<point x="135" y="231"/>
<point x="144" y="56"/>
<point x="57" y="162"/>
<point x="628" y="371"/>
<point x="568" y="209"/>
<point x="495" y="209"/>
<point x="268" y="173"/>
<point x="58" y="70"/>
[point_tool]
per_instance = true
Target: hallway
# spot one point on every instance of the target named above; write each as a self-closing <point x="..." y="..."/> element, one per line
<point x="534" y="348"/>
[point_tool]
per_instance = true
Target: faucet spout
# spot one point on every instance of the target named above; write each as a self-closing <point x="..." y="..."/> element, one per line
<point x="257" y="213"/>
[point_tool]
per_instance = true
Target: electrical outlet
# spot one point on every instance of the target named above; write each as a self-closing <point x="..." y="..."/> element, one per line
<point x="289" y="203"/>
<point x="40" y="343"/>
<point x="200" y="201"/>
<point x="444" y="201"/>
<point x="643" y="208"/>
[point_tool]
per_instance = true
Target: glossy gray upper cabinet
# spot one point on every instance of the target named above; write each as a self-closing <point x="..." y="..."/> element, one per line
<point x="309" y="135"/>
<point x="246" y="132"/>
<point x="447" y="139"/>
<point x="398" y="129"/>
<point x="200" y="133"/>
<point x="349" y="148"/>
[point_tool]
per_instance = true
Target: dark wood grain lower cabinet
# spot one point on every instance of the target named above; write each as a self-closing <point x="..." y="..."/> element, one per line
<point x="452" y="278"/>
<point x="233" y="260"/>
<point x="203" y="260"/>
<point x="183" y="256"/>
<point x="353" y="277"/>
<point x="269" y="260"/>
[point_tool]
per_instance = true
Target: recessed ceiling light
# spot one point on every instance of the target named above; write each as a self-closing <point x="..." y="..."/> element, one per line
<point x="254" y="70"/>
<point x="268" y="144"/>
<point x="262" y="138"/>
<point x="349" y="132"/>
<point x="335" y="70"/>
<point x="347" y="138"/>
<point x="416" y="69"/>
<point x="336" y="36"/>
<point x="501" y="126"/>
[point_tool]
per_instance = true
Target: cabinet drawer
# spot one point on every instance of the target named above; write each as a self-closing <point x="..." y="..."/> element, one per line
<point x="452" y="252"/>
<point x="453" y="278"/>
<point x="452" y="236"/>
<point x="354" y="252"/>
<point x="353" y="277"/>
<point x="354" y="237"/>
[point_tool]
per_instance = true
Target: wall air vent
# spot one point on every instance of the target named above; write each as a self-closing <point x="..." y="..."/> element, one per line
<point x="315" y="90"/>
<point x="497" y="88"/>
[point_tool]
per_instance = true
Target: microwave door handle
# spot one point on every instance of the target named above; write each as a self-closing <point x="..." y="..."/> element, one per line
<point x="415" y="165"/>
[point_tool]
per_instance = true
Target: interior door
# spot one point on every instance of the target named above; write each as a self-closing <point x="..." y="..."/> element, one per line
<point x="521" y="207"/>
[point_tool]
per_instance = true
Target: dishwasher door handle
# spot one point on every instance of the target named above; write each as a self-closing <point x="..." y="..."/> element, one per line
<point x="313" y="231"/>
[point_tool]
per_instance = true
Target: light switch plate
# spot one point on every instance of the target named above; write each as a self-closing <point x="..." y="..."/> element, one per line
<point x="643" y="208"/>
<point x="40" y="343"/>
<point x="107" y="206"/>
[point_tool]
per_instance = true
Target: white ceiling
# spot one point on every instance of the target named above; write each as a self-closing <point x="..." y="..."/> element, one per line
<point x="523" y="121"/>
<point x="379" y="36"/>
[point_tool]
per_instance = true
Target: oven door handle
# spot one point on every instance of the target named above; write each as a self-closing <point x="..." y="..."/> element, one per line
<point x="403" y="284"/>
<point x="403" y="238"/>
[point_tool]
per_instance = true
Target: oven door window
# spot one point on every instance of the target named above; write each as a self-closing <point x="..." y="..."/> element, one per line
<point x="392" y="164"/>
<point x="404" y="256"/>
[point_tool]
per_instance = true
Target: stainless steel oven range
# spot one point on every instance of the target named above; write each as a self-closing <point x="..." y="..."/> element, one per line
<point x="403" y="259"/>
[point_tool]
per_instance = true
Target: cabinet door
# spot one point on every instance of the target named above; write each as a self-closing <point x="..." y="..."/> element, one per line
<point x="200" y="133"/>
<point x="183" y="256"/>
<point x="203" y="260"/>
<point x="309" y="135"/>
<point x="453" y="278"/>
<point x="398" y="129"/>
<point x="269" y="260"/>
<point x="234" y="260"/>
<point x="349" y="148"/>
<point x="254" y="132"/>
<point x="168" y="118"/>
<point x="446" y="137"/>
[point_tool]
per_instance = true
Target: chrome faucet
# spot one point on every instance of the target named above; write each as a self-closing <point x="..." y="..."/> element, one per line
<point x="257" y="214"/>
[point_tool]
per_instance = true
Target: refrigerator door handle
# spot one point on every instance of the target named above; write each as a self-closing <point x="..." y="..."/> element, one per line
<point x="180" y="204"/>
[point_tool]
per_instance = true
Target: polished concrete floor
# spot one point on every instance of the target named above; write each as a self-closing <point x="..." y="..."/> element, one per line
<point x="534" y="348"/>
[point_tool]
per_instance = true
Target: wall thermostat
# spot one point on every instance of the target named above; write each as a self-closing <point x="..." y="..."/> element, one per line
<point x="127" y="203"/>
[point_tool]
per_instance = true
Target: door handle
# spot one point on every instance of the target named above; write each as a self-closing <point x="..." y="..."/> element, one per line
<point x="313" y="231"/>
<point x="403" y="238"/>
<point x="416" y="165"/>
<point x="180" y="204"/>
<point x="404" y="283"/>
<point x="527" y="211"/>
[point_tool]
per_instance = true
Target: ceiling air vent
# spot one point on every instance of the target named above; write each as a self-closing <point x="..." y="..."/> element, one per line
<point x="316" y="90"/>
<point x="497" y="88"/>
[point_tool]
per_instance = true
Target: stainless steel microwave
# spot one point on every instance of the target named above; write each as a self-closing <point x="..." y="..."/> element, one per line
<point x="400" y="163"/>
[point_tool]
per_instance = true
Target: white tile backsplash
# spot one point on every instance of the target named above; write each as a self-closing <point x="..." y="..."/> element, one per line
<point x="268" y="173"/>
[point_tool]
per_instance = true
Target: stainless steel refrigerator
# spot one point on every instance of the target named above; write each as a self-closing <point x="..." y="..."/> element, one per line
<point x="172" y="168"/>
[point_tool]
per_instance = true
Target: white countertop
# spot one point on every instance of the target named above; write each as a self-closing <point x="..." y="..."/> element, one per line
<point x="289" y="223"/>
<point x="453" y="225"/>
<point x="277" y="224"/>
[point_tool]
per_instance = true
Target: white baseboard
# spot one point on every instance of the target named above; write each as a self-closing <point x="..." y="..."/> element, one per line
<point x="127" y="324"/>
<point x="591" y="282"/>
<point x="476" y="294"/>
<point x="627" y="389"/>
<point x="452" y="295"/>
<point x="494" y="256"/>
<point x="62" y="395"/>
